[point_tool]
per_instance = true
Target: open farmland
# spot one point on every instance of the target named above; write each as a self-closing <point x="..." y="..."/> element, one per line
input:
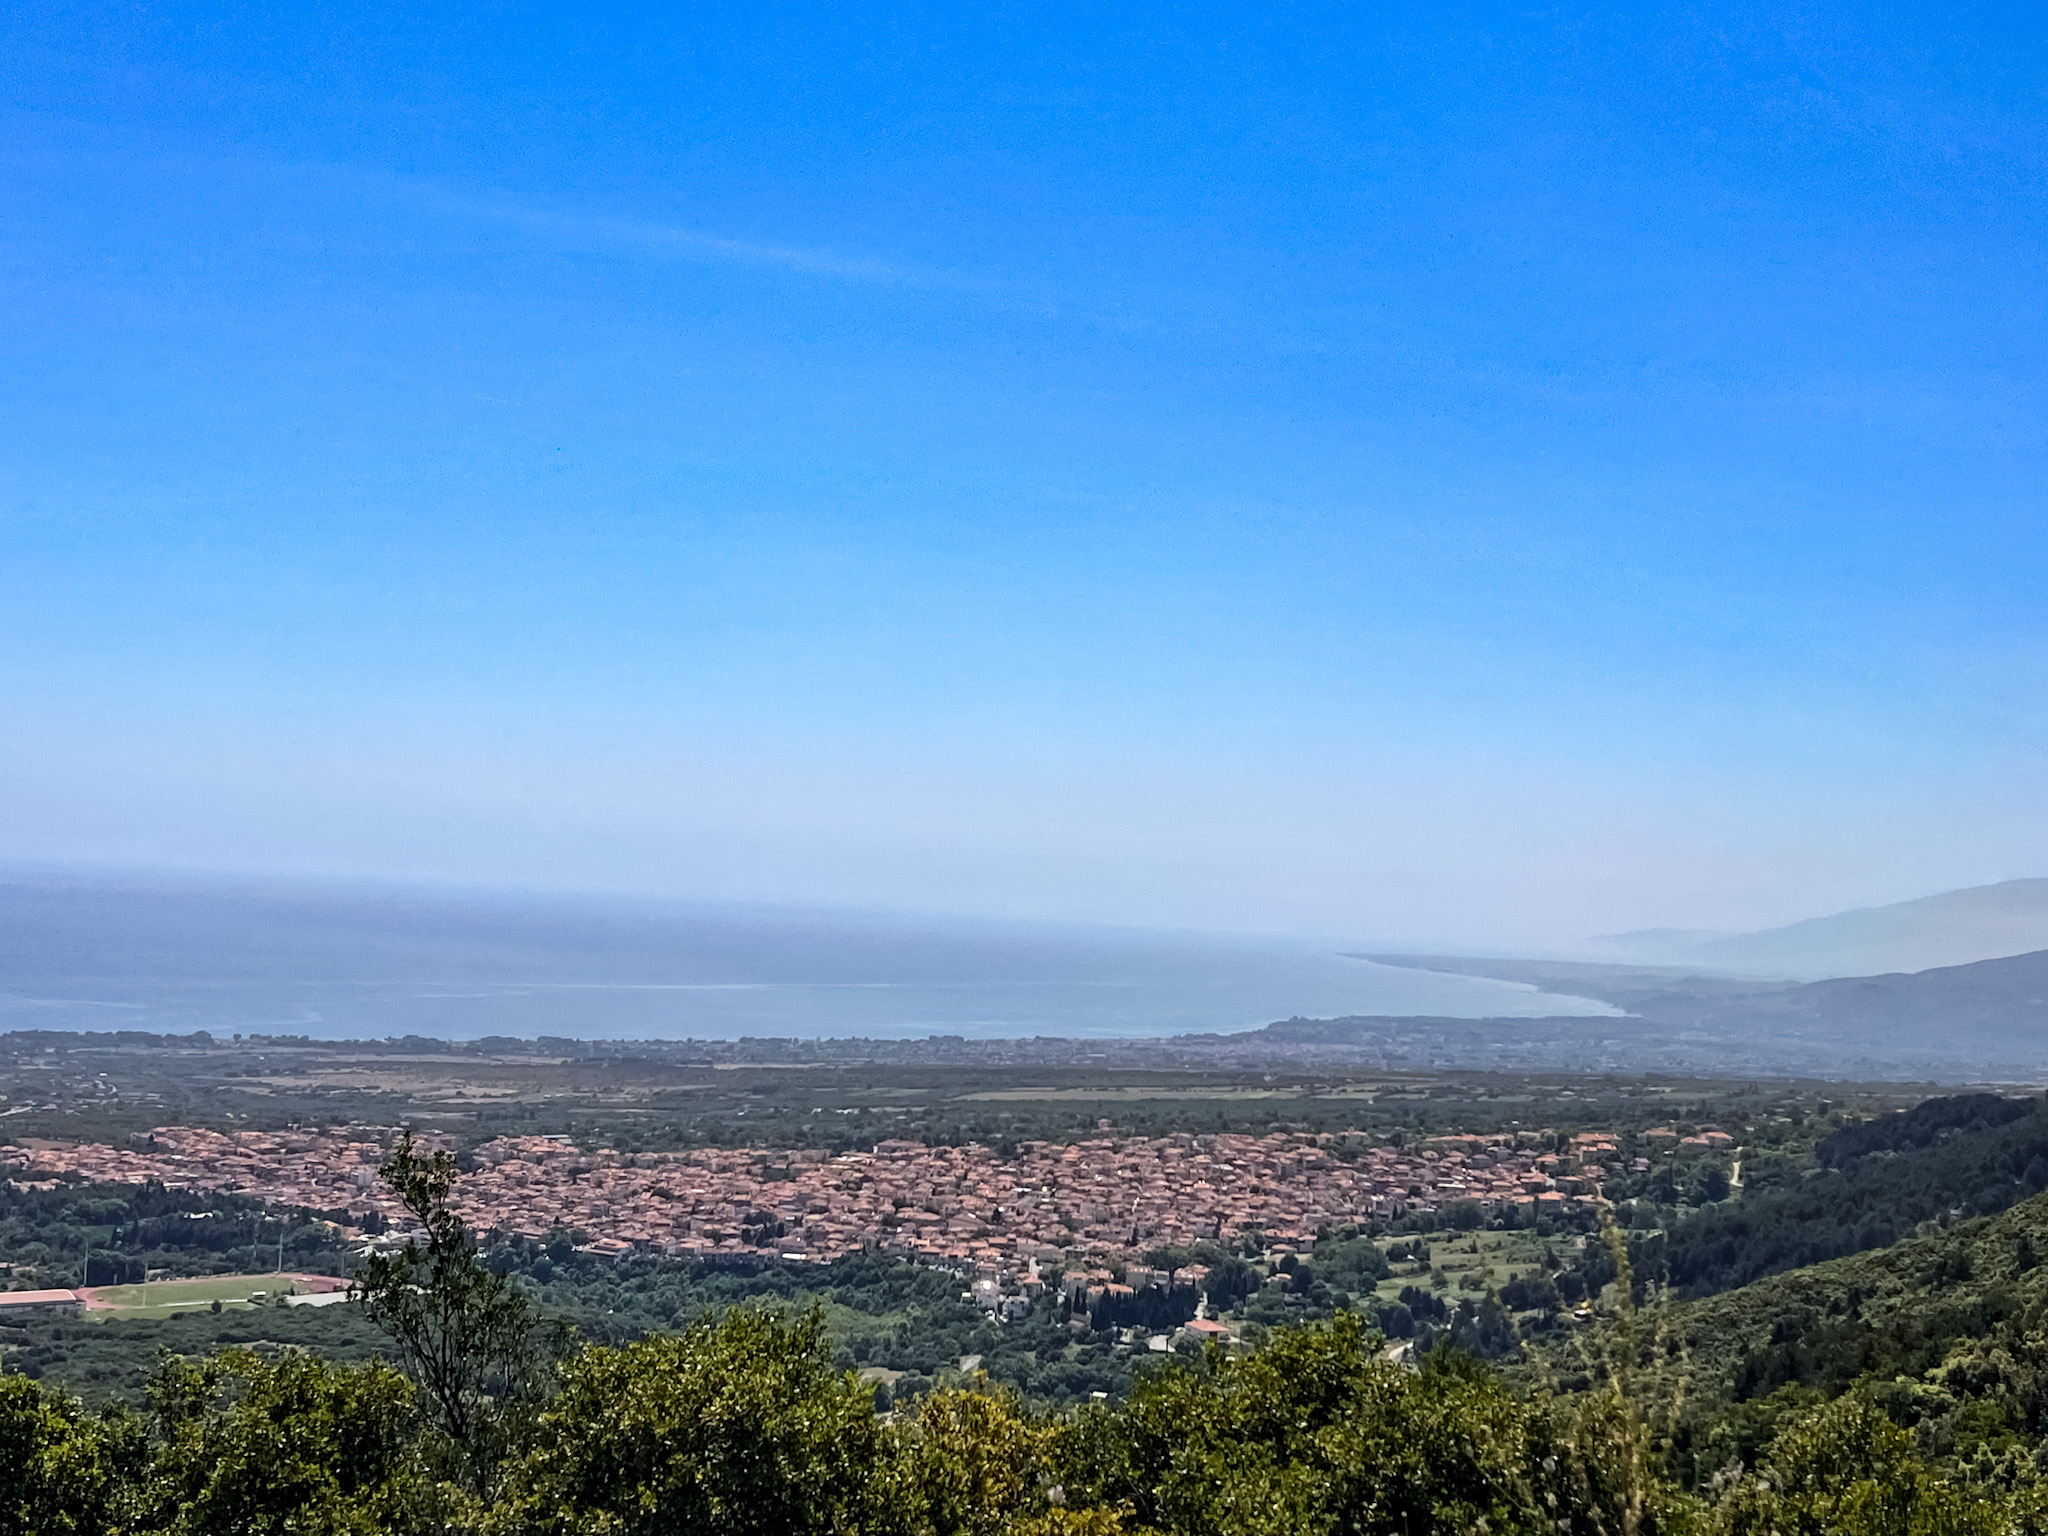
<point x="832" y="1095"/>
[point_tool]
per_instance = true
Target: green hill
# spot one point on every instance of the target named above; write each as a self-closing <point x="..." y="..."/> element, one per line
<point x="1948" y="1330"/>
<point x="1871" y="1185"/>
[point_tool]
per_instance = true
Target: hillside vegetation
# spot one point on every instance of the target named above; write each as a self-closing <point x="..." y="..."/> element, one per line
<point x="742" y="1426"/>
<point x="1875" y="1183"/>
<point x="1947" y="1333"/>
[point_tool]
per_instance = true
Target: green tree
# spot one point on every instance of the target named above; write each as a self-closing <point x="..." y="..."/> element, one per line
<point x="971" y="1464"/>
<point x="1847" y="1470"/>
<point x="482" y="1355"/>
<point x="1316" y="1433"/>
<point x="739" y="1426"/>
<point x="253" y="1447"/>
<point x="60" y="1469"/>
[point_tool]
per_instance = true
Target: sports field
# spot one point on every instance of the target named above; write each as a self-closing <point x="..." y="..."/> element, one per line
<point x="162" y="1298"/>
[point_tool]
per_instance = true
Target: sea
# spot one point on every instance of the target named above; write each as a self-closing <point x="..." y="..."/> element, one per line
<point x="170" y="955"/>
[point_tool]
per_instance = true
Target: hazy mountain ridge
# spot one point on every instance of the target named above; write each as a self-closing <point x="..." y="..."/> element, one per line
<point x="1989" y="1010"/>
<point x="1983" y="922"/>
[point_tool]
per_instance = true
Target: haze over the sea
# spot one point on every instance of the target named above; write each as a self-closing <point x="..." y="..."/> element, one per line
<point x="342" y="961"/>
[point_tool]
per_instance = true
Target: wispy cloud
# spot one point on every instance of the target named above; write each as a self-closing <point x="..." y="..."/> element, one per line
<point x="574" y="230"/>
<point x="588" y="231"/>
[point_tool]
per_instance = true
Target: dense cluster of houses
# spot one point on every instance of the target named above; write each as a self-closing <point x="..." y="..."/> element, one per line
<point x="1107" y="1198"/>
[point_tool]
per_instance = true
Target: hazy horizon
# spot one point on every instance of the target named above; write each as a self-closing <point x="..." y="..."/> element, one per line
<point x="338" y="960"/>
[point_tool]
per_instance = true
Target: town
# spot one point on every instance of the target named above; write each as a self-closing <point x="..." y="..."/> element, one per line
<point x="1104" y="1199"/>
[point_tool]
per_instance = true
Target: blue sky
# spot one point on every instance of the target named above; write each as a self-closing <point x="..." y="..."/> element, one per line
<point x="1454" y="475"/>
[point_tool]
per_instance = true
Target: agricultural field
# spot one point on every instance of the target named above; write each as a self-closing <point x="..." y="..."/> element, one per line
<point x="1475" y="1262"/>
<point x="838" y="1095"/>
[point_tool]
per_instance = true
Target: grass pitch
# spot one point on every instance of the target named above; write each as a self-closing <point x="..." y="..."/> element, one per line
<point x="164" y="1298"/>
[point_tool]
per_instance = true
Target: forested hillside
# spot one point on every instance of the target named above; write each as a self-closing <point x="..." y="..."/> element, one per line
<point x="1876" y="1182"/>
<point x="1947" y="1332"/>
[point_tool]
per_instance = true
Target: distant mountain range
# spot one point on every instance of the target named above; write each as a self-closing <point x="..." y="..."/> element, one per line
<point x="1991" y="1012"/>
<point x="1984" y="922"/>
<point x="1947" y="983"/>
